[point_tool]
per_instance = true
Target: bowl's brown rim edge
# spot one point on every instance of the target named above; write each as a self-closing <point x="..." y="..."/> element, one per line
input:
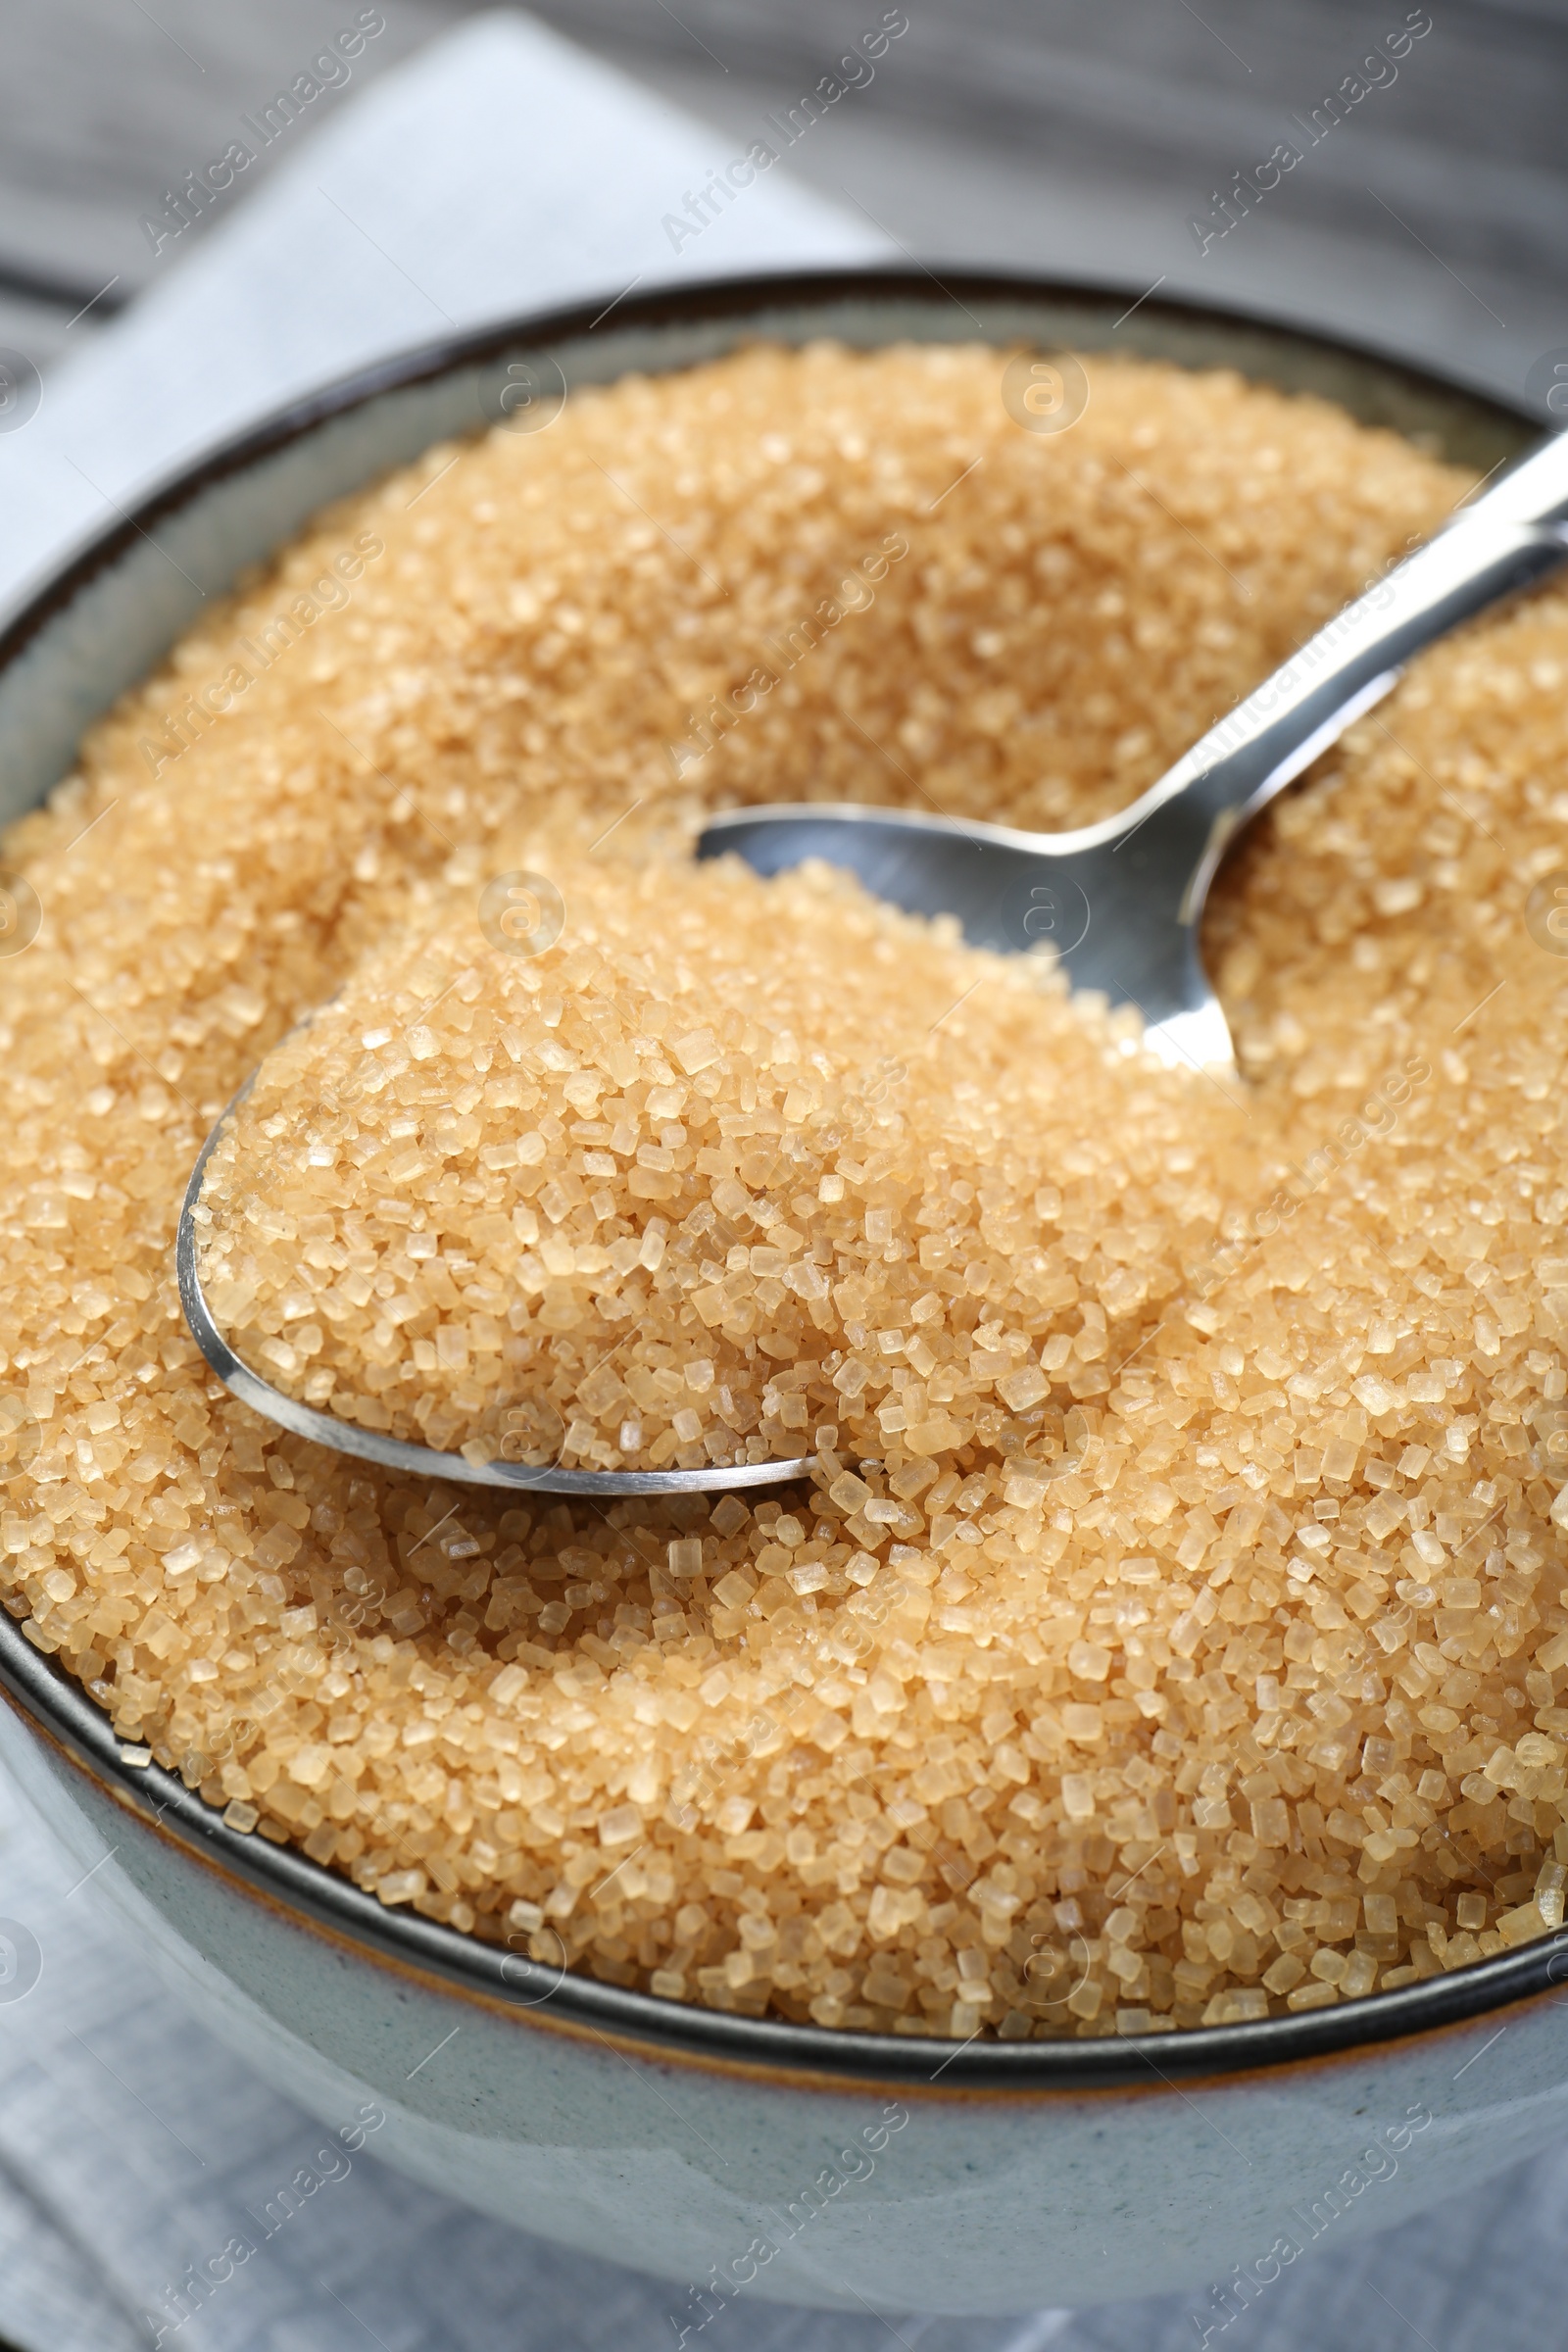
<point x="713" y="300"/>
<point x="311" y="1896"/>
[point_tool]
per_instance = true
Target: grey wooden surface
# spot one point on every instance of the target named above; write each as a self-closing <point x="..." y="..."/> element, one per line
<point x="1065" y="136"/>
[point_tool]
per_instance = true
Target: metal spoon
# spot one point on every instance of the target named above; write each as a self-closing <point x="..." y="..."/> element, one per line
<point x="1119" y="901"/>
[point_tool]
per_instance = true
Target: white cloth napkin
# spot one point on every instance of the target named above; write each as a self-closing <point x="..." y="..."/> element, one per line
<point x="499" y="171"/>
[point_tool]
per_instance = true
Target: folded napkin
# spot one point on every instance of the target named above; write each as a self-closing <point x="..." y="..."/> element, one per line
<point x="497" y="173"/>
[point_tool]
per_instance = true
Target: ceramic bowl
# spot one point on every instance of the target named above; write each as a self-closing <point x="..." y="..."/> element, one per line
<point x="733" y="2155"/>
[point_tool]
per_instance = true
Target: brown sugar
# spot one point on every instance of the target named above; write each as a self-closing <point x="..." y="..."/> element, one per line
<point x="1171" y="1629"/>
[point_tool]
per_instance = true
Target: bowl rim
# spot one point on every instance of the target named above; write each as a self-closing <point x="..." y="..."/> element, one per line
<point x="313" y="1895"/>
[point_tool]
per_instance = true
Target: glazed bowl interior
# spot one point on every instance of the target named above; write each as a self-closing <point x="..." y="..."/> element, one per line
<point x="122" y="600"/>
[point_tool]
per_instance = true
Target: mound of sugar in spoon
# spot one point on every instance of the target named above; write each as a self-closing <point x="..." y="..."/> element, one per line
<point x="668" y="1189"/>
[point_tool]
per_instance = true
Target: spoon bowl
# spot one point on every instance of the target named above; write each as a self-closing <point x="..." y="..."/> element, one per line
<point x="542" y="1475"/>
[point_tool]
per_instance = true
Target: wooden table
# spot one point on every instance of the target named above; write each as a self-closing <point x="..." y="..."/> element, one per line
<point x="1052" y="135"/>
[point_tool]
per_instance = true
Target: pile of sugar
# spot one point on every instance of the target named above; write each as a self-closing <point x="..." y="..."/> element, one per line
<point x="1230" y="1682"/>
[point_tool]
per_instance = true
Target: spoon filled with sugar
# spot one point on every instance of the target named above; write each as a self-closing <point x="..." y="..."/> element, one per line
<point x="516" y="1438"/>
<point x="290" y="1269"/>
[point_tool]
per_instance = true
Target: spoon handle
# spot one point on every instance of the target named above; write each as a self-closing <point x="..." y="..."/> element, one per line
<point x="1119" y="901"/>
<point x="1507" y="541"/>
